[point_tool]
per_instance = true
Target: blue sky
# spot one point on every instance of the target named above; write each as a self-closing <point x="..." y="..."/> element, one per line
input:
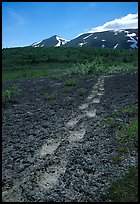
<point x="24" y="23"/>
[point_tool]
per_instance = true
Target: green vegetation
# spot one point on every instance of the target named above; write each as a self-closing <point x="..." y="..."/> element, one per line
<point x="128" y="132"/>
<point x="128" y="135"/>
<point x="117" y="159"/>
<point x="20" y="74"/>
<point x="125" y="189"/>
<point x="26" y="62"/>
<point x="39" y="88"/>
<point x="130" y="111"/>
<point x="50" y="96"/>
<point x="70" y="82"/>
<point x="6" y="94"/>
<point x="82" y="91"/>
<point x="70" y="98"/>
<point x="112" y="122"/>
<point x="57" y="77"/>
<point x="9" y="94"/>
<point x="127" y="128"/>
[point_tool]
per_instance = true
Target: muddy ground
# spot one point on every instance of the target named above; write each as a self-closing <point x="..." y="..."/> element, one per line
<point x="56" y="149"/>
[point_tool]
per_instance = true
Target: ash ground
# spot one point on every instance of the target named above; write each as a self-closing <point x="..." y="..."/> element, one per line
<point x="57" y="149"/>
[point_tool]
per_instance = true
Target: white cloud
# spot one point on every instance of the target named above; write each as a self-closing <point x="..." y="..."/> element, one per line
<point x="128" y="21"/>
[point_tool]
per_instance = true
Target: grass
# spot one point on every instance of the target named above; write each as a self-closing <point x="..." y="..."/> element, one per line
<point x="99" y="67"/>
<point x="127" y="129"/>
<point x="94" y="68"/>
<point x="70" y="82"/>
<point x="21" y="74"/>
<point x="66" y="89"/>
<point x="82" y="91"/>
<point x="111" y="122"/>
<point x="39" y="88"/>
<point x="129" y="133"/>
<point x="121" y="68"/>
<point x="8" y="94"/>
<point x="130" y="110"/>
<point x="122" y="148"/>
<point x="50" y="96"/>
<point x="26" y="62"/>
<point x="117" y="159"/>
<point x="125" y="189"/>
<point x="70" y="98"/>
<point x="57" y="77"/>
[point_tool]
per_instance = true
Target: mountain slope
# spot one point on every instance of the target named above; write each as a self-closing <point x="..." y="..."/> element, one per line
<point x="123" y="39"/>
<point x="55" y="41"/>
<point x="116" y="39"/>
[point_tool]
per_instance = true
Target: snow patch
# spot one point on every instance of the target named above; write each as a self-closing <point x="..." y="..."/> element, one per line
<point x="134" y="45"/>
<point x="131" y="34"/>
<point x="103" y="46"/>
<point x="115" y="46"/>
<point x="116" y="34"/>
<point x="63" y="42"/>
<point x="103" y="40"/>
<point x="36" y="43"/>
<point x="95" y="37"/>
<point x="81" y="44"/>
<point x="120" y="31"/>
<point x="87" y="36"/>
<point x="60" y="40"/>
<point x="126" y="31"/>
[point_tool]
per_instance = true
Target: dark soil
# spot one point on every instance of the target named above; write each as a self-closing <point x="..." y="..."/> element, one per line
<point x="82" y="169"/>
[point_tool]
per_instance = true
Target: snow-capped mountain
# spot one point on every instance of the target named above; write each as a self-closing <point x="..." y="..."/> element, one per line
<point x="54" y="41"/>
<point x="116" y="39"/>
<point x="122" y="39"/>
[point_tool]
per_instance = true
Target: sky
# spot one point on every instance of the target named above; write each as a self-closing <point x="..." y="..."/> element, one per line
<point x="24" y="23"/>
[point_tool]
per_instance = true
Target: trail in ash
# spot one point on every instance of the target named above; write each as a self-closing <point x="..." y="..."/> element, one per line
<point x="49" y="179"/>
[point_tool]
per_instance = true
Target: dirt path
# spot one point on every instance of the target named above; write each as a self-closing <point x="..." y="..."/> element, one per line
<point x="59" y="150"/>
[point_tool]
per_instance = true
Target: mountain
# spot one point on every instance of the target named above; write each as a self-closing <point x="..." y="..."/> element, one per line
<point x="116" y="39"/>
<point x="54" y="41"/>
<point x="123" y="39"/>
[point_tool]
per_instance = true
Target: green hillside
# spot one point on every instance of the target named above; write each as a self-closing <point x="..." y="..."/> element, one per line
<point x="19" y="62"/>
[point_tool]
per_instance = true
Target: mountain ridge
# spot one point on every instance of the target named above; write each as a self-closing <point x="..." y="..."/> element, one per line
<point x="120" y="39"/>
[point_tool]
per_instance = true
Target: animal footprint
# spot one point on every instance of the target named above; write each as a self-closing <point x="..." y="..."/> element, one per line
<point x="91" y="114"/>
<point x="76" y="135"/>
<point x="96" y="100"/>
<point x="83" y="106"/>
<point x="74" y="121"/>
<point x="49" y="147"/>
<point x="50" y="177"/>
